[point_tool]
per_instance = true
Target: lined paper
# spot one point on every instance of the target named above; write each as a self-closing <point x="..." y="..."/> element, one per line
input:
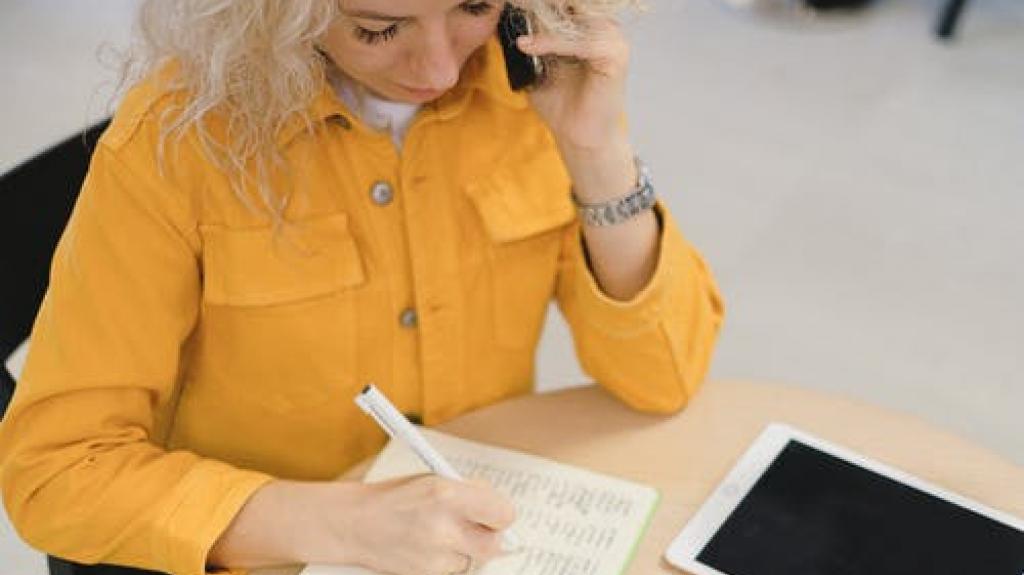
<point x="571" y="521"/>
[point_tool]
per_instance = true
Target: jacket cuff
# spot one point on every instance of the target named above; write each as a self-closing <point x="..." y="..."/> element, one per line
<point x="212" y="494"/>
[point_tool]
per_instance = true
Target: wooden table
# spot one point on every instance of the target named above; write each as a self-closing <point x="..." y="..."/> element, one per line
<point x="686" y="455"/>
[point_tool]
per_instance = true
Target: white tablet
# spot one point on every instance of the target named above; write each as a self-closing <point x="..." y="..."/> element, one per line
<point x="796" y="505"/>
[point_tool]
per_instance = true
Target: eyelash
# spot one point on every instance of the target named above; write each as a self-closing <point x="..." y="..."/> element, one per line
<point x="383" y="36"/>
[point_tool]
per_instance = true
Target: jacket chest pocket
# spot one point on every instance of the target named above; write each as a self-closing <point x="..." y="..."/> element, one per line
<point x="278" y="328"/>
<point x="267" y="267"/>
<point x="524" y="213"/>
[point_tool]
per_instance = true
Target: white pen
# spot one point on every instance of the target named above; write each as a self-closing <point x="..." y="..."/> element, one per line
<point x="377" y="405"/>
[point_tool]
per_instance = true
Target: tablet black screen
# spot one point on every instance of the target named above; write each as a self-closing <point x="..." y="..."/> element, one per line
<point x="814" y="514"/>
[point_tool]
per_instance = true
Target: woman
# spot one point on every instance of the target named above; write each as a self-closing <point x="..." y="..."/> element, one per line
<point x="298" y="198"/>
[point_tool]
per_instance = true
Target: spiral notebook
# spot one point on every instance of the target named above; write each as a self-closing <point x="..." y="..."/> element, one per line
<point x="571" y="521"/>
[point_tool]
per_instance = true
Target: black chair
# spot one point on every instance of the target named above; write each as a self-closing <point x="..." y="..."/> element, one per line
<point x="37" y="198"/>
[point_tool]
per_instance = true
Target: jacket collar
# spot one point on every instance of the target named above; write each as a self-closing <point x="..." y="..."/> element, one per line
<point x="484" y="73"/>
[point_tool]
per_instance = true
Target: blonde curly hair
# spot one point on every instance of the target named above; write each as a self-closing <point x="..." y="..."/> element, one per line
<point x="256" y="64"/>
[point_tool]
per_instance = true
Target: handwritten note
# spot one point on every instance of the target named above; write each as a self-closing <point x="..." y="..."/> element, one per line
<point x="571" y="521"/>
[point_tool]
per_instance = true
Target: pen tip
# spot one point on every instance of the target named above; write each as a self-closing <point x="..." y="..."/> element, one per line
<point x="367" y="388"/>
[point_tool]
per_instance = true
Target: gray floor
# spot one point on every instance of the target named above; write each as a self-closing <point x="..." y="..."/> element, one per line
<point x="852" y="182"/>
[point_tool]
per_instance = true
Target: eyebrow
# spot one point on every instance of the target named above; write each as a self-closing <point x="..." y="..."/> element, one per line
<point x="371" y="15"/>
<point x="374" y="15"/>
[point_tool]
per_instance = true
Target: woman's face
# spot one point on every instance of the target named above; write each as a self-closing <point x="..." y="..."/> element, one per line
<point x="409" y="50"/>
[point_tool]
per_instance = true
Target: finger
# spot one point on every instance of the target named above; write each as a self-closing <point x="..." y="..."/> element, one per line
<point x="481" y="543"/>
<point x="602" y="50"/>
<point x="452" y="563"/>
<point x="550" y="45"/>
<point x="591" y="36"/>
<point x="480" y="503"/>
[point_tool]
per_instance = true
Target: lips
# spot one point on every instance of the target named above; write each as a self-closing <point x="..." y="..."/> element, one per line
<point x="422" y="92"/>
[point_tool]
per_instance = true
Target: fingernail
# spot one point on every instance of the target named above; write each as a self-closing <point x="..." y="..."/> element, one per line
<point x="524" y="41"/>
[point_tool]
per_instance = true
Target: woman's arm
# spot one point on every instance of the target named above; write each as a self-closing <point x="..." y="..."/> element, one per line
<point x="278" y="523"/>
<point x="621" y="256"/>
<point x="650" y="342"/>
<point x="82" y="470"/>
<point x="423" y="525"/>
<point x="583" y="103"/>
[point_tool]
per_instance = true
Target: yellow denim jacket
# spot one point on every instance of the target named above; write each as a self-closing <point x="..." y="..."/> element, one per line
<point x="186" y="353"/>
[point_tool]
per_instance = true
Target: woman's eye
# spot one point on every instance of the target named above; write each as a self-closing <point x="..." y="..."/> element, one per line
<point x="476" y="8"/>
<point x="380" y="36"/>
<point x="375" y="36"/>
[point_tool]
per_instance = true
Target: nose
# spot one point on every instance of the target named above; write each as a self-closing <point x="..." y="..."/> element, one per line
<point x="435" y="62"/>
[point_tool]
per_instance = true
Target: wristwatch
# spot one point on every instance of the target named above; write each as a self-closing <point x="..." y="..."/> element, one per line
<point x="616" y="211"/>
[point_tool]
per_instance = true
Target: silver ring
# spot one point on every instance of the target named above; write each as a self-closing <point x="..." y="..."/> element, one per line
<point x="468" y="567"/>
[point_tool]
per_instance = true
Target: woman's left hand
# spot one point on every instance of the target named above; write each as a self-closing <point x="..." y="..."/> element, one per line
<point x="583" y="103"/>
<point x="583" y="99"/>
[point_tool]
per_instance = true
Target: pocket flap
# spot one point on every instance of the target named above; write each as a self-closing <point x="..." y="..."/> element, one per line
<point x="261" y="266"/>
<point x="524" y="199"/>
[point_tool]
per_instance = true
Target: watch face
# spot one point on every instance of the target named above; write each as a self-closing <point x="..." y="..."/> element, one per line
<point x="644" y="173"/>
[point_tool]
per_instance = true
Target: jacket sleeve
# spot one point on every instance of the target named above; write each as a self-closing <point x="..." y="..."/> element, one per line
<point x="653" y="351"/>
<point x="81" y="470"/>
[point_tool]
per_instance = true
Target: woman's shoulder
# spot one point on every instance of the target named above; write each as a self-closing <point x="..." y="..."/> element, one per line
<point x="144" y="139"/>
<point x="147" y="104"/>
<point x="146" y="161"/>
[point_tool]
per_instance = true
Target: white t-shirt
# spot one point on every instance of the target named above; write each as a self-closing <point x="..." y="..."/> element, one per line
<point x="385" y="115"/>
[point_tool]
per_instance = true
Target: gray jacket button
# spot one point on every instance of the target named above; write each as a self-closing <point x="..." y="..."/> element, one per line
<point x="408" y="318"/>
<point x="381" y="193"/>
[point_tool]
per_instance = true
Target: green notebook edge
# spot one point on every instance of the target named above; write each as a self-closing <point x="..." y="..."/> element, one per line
<point x="643" y="531"/>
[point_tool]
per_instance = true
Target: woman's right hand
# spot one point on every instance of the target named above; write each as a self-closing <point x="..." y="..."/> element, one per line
<point x="422" y="525"/>
<point x="426" y="525"/>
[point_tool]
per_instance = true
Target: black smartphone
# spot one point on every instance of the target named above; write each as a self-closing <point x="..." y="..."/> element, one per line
<point x="523" y="69"/>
